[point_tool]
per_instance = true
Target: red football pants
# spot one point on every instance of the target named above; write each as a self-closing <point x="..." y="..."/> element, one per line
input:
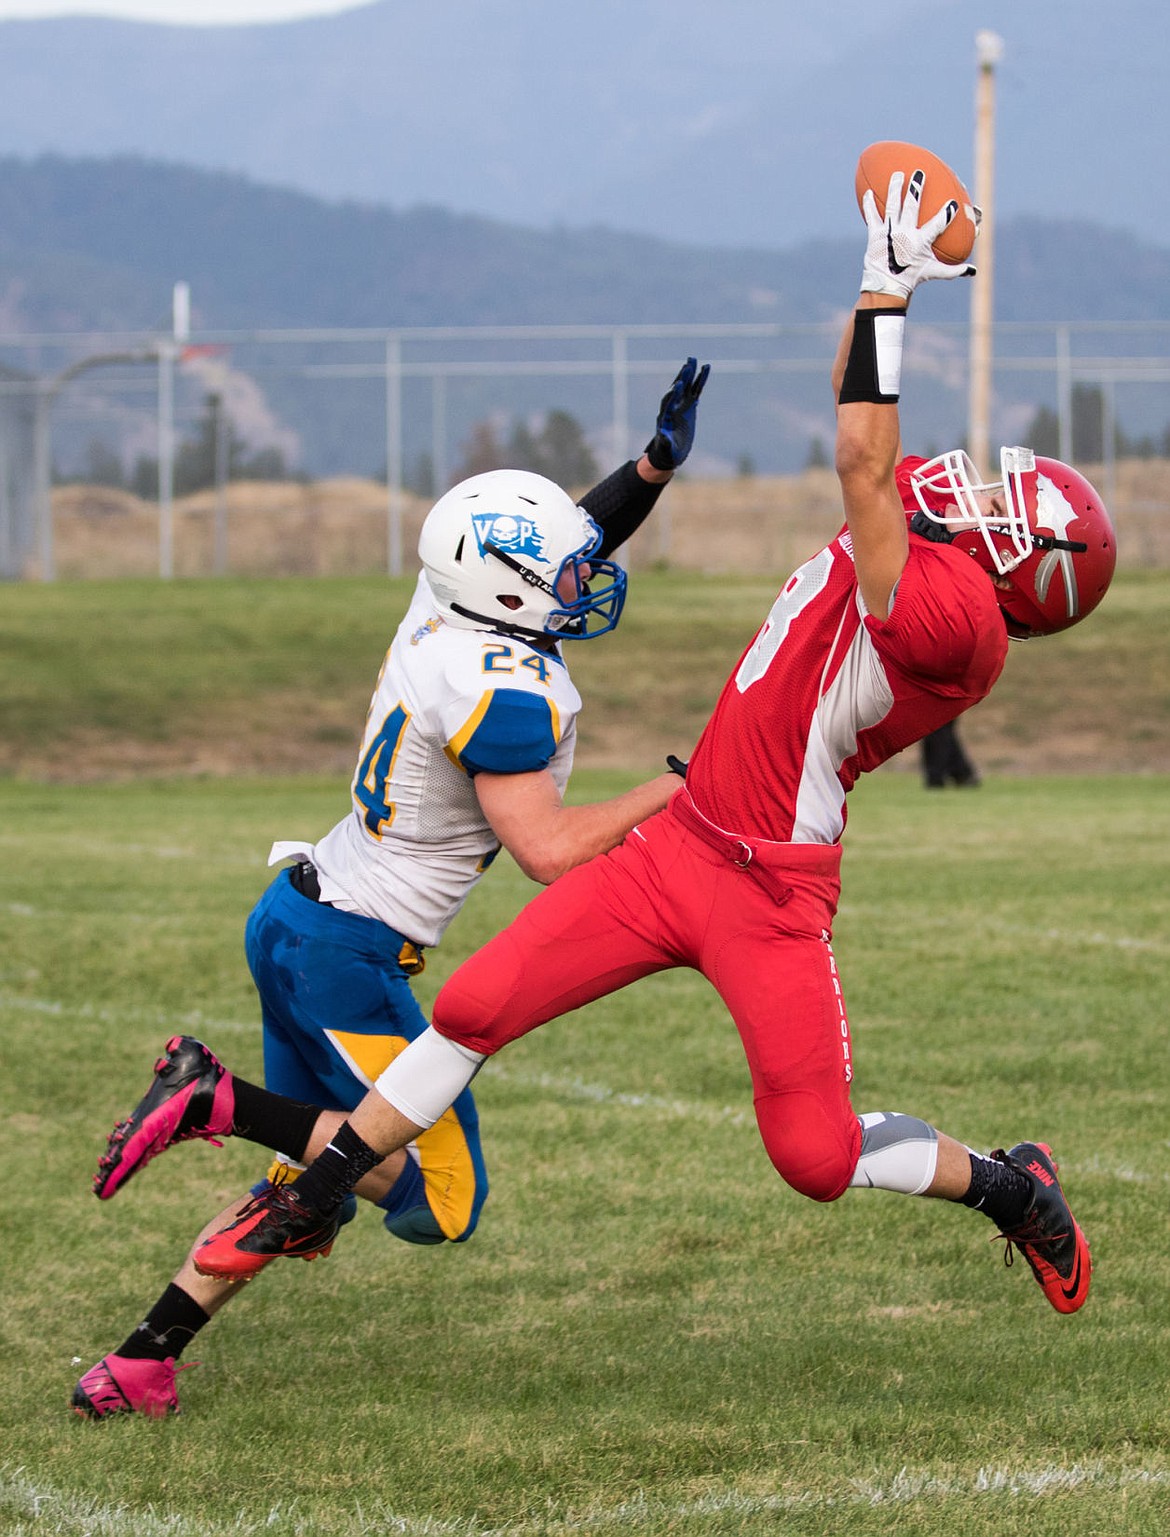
<point x="754" y="917"/>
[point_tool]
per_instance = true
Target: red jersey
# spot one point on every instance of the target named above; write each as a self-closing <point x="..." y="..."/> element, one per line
<point x="826" y="692"/>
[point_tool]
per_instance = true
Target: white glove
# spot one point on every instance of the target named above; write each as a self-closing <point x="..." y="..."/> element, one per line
<point x="898" y="253"/>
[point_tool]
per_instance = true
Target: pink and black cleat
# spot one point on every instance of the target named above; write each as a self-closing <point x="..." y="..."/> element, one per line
<point x="119" y="1385"/>
<point x="192" y="1096"/>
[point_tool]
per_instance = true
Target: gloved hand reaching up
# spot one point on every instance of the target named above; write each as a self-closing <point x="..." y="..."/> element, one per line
<point x="675" y="429"/>
<point x="898" y="253"/>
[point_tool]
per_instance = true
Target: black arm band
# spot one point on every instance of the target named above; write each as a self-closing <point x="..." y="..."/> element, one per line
<point x="873" y="369"/>
<point x="620" y="504"/>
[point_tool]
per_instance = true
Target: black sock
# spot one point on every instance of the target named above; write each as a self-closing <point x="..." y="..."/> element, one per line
<point x="333" y="1174"/>
<point x="284" y="1125"/>
<point x="999" y="1191"/>
<point x="167" y="1330"/>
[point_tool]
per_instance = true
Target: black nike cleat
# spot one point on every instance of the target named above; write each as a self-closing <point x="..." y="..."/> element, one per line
<point x="1048" y="1237"/>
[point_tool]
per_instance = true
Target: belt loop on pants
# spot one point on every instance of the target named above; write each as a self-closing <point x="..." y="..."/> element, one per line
<point x="761" y="859"/>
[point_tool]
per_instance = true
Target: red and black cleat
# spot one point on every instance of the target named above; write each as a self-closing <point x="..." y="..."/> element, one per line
<point x="1048" y="1237"/>
<point x="274" y="1225"/>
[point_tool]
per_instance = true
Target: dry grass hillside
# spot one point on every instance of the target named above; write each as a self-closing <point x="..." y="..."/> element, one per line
<point x="1097" y="700"/>
<point x="339" y="527"/>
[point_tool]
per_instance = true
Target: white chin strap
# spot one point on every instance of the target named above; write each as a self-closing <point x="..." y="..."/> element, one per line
<point x="952" y="477"/>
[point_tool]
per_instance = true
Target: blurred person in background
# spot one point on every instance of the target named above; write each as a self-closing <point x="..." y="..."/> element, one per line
<point x="945" y="761"/>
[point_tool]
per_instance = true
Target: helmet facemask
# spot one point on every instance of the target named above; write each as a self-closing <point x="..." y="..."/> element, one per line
<point x="1018" y="529"/>
<point x="589" y="610"/>
<point x="953" y="480"/>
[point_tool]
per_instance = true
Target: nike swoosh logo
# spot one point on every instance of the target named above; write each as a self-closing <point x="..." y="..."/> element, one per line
<point x="1073" y="1287"/>
<point x="895" y="264"/>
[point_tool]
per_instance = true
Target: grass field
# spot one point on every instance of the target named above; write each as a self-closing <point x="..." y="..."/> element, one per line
<point x="105" y="679"/>
<point x="649" y="1334"/>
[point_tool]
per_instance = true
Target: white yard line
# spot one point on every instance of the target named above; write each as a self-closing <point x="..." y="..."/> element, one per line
<point x="168" y="1022"/>
<point x="117" y="850"/>
<point x="581" y="1091"/>
<point x="982" y="922"/>
<point x="79" y="1515"/>
<point x="110" y="915"/>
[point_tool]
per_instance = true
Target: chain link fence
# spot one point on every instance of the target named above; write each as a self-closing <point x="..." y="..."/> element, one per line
<point x="373" y="423"/>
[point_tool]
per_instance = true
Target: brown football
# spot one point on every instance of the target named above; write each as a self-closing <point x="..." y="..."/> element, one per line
<point x="879" y="162"/>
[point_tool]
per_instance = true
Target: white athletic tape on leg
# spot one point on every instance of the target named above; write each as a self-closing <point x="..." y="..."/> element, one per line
<point x="426" y="1078"/>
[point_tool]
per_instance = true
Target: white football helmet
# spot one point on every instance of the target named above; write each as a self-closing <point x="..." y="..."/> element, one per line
<point x="505" y="550"/>
<point x="1041" y="527"/>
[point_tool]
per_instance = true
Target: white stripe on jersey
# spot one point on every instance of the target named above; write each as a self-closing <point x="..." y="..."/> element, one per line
<point x="858" y="697"/>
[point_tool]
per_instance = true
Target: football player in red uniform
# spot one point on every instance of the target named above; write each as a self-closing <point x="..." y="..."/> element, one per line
<point x="897" y="626"/>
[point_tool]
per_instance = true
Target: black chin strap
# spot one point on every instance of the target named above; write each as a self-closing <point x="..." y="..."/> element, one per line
<point x="1050" y="542"/>
<point x="939" y="534"/>
<point x="518" y="631"/>
<point x="929" y="529"/>
<point x="525" y="573"/>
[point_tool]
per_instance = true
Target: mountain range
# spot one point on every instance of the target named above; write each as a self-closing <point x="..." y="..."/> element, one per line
<point x="95" y="246"/>
<point x="732" y="125"/>
<point x="515" y="162"/>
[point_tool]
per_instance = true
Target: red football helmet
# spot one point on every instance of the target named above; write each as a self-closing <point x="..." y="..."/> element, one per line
<point x="1042" y="527"/>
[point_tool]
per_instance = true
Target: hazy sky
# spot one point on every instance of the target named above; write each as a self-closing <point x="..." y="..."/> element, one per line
<point x="180" y="11"/>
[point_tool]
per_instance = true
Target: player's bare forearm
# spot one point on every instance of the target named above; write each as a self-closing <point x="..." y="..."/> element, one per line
<point x="867" y="453"/>
<point x="545" y="837"/>
<point x="582" y="832"/>
<point x="650" y="475"/>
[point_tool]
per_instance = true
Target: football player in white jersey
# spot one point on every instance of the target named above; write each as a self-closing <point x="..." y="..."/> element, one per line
<point x="895" y="627"/>
<point x="467" y="747"/>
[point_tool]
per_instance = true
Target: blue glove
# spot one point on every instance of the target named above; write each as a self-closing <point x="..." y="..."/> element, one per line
<point x="675" y="429"/>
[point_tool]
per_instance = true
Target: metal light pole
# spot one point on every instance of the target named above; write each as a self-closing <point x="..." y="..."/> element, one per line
<point x="46" y="389"/>
<point x="219" y="450"/>
<point x="438" y="435"/>
<point x="394" y="498"/>
<point x="988" y="51"/>
<point x="166" y="458"/>
<point x="169" y="349"/>
<point x="621" y="394"/>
